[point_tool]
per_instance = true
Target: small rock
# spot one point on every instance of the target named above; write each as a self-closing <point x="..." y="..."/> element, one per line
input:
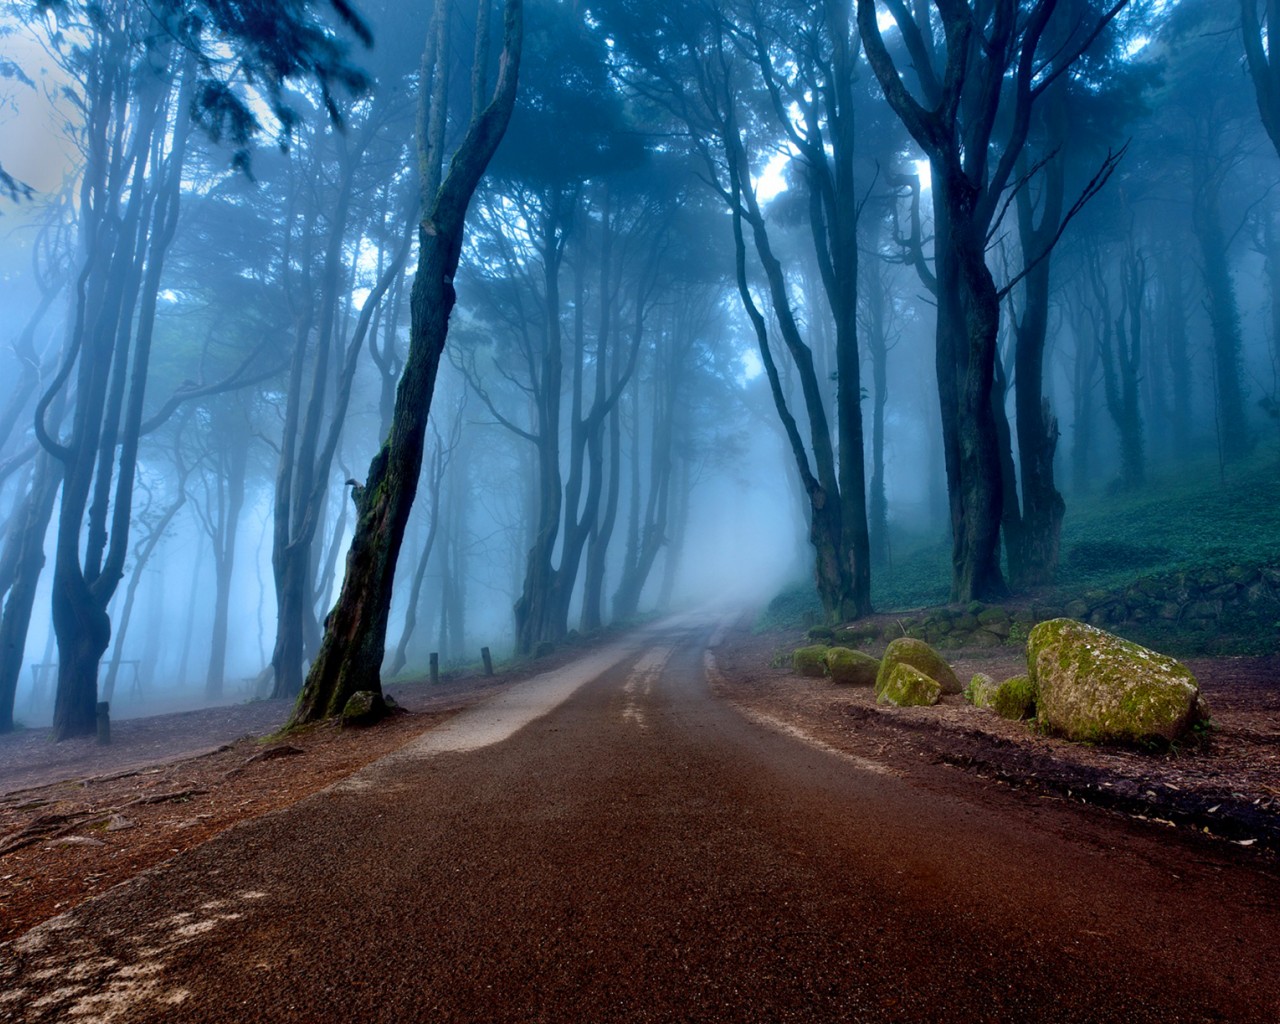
<point x="923" y="658"/>
<point x="853" y="668"/>
<point x="907" y="687"/>
<point x="118" y="823"/>
<point x="364" y="707"/>
<point x="810" y="661"/>
<point x="1014" y="699"/>
<point x="79" y="841"/>
<point x="980" y="690"/>
<point x="271" y="753"/>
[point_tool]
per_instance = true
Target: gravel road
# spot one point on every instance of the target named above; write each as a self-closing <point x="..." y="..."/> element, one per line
<point x="611" y="843"/>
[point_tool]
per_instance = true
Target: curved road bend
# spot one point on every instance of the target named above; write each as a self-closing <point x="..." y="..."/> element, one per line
<point x="641" y="852"/>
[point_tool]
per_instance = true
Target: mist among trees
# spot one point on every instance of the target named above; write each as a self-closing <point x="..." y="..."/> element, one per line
<point x="338" y="336"/>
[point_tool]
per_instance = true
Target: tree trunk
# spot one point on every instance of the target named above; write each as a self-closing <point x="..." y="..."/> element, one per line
<point x="351" y="654"/>
<point x="142" y="555"/>
<point x="1224" y="318"/>
<point x="115" y="320"/>
<point x="438" y="463"/>
<point x="27" y="541"/>
<point x="878" y="348"/>
<point x="1042" y="506"/>
<point x="968" y="324"/>
<point x="224" y="544"/>
<point x="1084" y="375"/>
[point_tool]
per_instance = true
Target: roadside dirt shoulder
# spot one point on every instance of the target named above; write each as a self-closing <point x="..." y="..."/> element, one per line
<point x="63" y="842"/>
<point x="1227" y="787"/>
<point x="77" y="819"/>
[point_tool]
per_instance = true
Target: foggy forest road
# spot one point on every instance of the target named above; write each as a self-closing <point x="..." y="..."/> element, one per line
<point x="643" y="852"/>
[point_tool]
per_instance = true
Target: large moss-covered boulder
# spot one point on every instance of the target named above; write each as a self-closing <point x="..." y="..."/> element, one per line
<point x="811" y="660"/>
<point x="1091" y="685"/>
<point x="853" y="668"/>
<point x="921" y="657"/>
<point x="908" y="687"/>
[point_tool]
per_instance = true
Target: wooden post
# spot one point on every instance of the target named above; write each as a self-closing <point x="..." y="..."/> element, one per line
<point x="104" y="723"/>
<point x="435" y="668"/>
<point x="488" y="661"/>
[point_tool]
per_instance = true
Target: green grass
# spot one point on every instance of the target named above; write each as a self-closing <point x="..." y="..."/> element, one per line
<point x="1189" y="521"/>
<point x="1192" y="518"/>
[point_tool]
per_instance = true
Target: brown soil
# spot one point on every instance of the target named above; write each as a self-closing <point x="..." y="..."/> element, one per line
<point x="1226" y="785"/>
<point x="77" y="818"/>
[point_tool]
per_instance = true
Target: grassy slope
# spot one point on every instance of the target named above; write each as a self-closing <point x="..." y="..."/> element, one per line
<point x="1191" y="519"/>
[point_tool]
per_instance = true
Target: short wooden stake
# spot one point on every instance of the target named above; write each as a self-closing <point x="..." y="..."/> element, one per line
<point x="488" y="661"/>
<point x="435" y="668"/>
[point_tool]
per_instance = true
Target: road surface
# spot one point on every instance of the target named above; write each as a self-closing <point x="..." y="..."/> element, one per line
<point x="612" y="843"/>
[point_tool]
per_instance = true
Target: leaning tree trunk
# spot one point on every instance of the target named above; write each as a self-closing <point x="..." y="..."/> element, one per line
<point x="351" y="653"/>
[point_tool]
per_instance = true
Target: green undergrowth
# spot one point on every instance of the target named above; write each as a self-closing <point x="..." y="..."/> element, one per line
<point x="1194" y="518"/>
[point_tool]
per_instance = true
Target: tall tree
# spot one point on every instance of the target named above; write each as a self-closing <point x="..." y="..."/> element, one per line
<point x="139" y="73"/>
<point x="1264" y="67"/>
<point x="354" y="643"/>
<point x="979" y="69"/>
<point x="747" y="79"/>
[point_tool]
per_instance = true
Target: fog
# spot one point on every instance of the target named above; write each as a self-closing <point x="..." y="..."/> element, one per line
<point x="724" y="327"/>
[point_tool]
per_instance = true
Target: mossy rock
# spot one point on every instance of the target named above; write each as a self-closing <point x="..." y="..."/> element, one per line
<point x="980" y="690"/>
<point x="364" y="707"/>
<point x="852" y="636"/>
<point x="1014" y="699"/>
<point x="1093" y="686"/>
<point x="923" y="658"/>
<point x="908" y="687"/>
<point x="810" y="661"/>
<point x="820" y="633"/>
<point x="1002" y="629"/>
<point x="852" y="668"/>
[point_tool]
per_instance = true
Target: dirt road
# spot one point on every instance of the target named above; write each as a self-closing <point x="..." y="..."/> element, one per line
<point x="614" y="844"/>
